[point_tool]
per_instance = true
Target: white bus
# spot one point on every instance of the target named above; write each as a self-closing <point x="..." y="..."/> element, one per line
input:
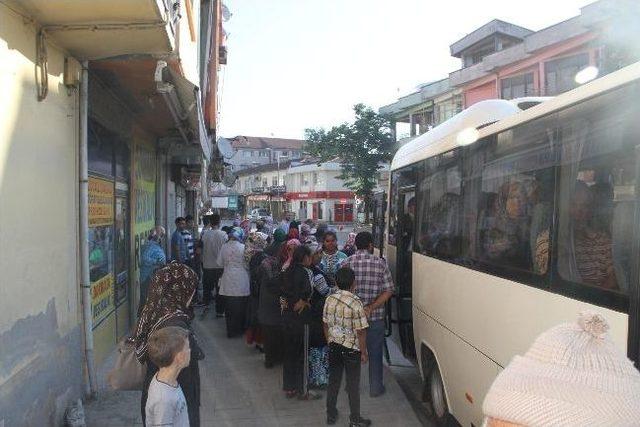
<point x="503" y="222"/>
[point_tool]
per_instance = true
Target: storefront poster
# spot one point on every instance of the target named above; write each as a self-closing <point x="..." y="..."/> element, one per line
<point x="233" y="202"/>
<point x="101" y="197"/>
<point x="102" y="303"/>
<point x="101" y="218"/>
<point x="145" y="189"/>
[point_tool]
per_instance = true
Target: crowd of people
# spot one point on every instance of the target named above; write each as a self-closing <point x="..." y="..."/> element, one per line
<point x="319" y="312"/>
<point x="286" y="288"/>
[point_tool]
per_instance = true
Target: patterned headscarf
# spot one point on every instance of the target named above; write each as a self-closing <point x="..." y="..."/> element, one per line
<point x="305" y="231"/>
<point x="256" y="242"/>
<point x="246" y="227"/>
<point x="288" y="249"/>
<point x="237" y="233"/>
<point x="351" y="240"/>
<point x="170" y="291"/>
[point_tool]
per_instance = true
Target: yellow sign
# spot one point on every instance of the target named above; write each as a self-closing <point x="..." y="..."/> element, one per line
<point x="101" y="199"/>
<point x="102" y="303"/>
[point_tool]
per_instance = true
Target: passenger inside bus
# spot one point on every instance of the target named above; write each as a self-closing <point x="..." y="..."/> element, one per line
<point x="505" y="233"/>
<point x="591" y="240"/>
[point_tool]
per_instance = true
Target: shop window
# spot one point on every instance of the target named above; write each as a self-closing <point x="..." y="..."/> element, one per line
<point x="560" y="73"/>
<point x="517" y="87"/>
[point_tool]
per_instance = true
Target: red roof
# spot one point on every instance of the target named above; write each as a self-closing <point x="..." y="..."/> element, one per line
<point x="258" y="142"/>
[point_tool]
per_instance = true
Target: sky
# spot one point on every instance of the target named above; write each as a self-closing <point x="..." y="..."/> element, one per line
<point x="297" y="64"/>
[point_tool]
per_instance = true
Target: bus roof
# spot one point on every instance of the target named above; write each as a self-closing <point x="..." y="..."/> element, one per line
<point x="496" y="115"/>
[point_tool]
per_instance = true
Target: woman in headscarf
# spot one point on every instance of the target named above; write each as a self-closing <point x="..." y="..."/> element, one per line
<point x="296" y="291"/>
<point x="332" y="258"/>
<point x="246" y="228"/>
<point x="286" y="252"/>
<point x="234" y="283"/>
<point x="168" y="303"/>
<point x="305" y="231"/>
<point x="269" y="275"/>
<point x="318" y="350"/>
<point x="293" y="234"/>
<point x="253" y="257"/>
<point x="349" y="247"/>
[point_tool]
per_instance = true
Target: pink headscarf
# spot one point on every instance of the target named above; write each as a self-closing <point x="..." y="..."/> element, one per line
<point x="288" y="249"/>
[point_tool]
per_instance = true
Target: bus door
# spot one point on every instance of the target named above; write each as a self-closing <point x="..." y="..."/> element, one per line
<point x="403" y="305"/>
<point x="378" y="208"/>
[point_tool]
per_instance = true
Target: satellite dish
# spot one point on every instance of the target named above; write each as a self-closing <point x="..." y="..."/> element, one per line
<point x="229" y="179"/>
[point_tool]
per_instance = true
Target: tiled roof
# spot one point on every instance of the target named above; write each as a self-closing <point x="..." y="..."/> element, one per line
<point x="258" y="142"/>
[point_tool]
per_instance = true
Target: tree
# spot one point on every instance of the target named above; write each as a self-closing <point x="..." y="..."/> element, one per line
<point x="361" y="147"/>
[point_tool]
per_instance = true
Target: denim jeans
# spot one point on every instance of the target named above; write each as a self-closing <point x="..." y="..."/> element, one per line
<point x="375" y="345"/>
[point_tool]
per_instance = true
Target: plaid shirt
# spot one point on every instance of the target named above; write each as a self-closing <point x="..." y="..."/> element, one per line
<point x="344" y="315"/>
<point x="372" y="279"/>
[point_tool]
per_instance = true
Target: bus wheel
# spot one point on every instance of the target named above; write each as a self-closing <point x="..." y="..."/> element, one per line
<point x="434" y="392"/>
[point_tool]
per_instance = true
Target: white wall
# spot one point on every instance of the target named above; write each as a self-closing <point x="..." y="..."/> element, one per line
<point x="38" y="232"/>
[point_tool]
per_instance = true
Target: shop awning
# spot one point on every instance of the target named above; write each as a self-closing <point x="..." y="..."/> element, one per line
<point x="184" y="103"/>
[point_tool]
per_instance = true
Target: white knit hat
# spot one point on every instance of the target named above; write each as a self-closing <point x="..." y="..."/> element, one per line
<point x="573" y="375"/>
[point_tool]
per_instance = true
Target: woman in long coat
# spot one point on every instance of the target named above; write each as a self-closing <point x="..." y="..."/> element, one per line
<point x="234" y="283"/>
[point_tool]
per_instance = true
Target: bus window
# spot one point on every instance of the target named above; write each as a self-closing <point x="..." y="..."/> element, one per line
<point x="439" y="193"/>
<point x="393" y="217"/>
<point x="597" y="193"/>
<point x="509" y="187"/>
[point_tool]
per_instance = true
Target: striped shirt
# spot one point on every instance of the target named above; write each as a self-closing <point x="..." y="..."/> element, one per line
<point x="344" y="315"/>
<point x="188" y="239"/>
<point x="372" y="279"/>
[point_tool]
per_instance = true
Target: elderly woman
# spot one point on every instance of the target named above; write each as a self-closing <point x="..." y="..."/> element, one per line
<point x="234" y="283"/>
<point x="171" y="292"/>
<point x="253" y="256"/>
<point x="152" y="258"/>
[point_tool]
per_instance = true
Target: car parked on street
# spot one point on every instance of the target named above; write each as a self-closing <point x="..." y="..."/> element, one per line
<point x="258" y="213"/>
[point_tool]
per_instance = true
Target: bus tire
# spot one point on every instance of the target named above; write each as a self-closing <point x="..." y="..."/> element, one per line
<point x="433" y="389"/>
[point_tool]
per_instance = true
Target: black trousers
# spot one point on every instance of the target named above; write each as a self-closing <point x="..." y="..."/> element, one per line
<point x="210" y="281"/>
<point x="236" y="315"/>
<point x="348" y="360"/>
<point x="272" y="344"/>
<point x="293" y="372"/>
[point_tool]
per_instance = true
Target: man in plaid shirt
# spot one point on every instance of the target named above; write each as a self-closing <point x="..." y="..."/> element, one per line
<point x="374" y="287"/>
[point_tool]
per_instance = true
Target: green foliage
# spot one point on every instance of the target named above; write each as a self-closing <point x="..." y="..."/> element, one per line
<point x="360" y="147"/>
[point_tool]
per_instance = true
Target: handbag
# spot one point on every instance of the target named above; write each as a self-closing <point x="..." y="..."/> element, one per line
<point x="128" y="373"/>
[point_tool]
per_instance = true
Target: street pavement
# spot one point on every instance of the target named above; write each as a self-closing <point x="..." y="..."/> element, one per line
<point x="238" y="391"/>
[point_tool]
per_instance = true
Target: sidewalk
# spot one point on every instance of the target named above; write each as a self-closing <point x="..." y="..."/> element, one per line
<point x="238" y="391"/>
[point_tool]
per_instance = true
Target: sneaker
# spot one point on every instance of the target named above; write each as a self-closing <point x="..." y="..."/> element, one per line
<point x="362" y="422"/>
<point x="331" y="419"/>
<point x="310" y="395"/>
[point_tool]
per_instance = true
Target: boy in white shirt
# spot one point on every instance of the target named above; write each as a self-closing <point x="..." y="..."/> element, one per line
<point x="169" y="349"/>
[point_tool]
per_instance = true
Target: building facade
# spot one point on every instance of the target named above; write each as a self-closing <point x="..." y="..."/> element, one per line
<point x="503" y="60"/>
<point x="251" y="151"/>
<point x="545" y="62"/>
<point x="135" y="85"/>
<point x="315" y="191"/>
